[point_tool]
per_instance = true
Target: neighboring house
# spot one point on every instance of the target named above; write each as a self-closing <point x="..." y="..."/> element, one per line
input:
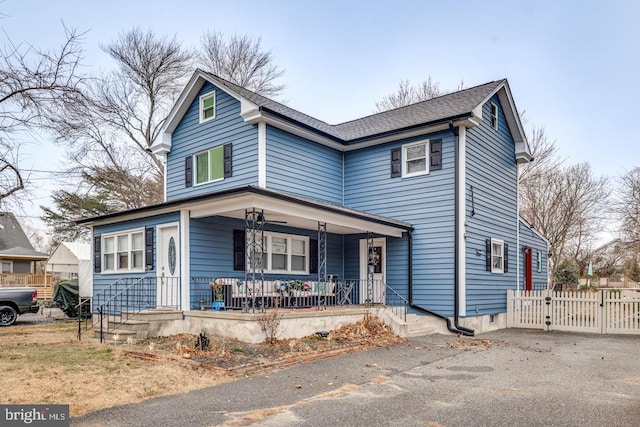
<point x="17" y="255"/>
<point x="419" y="202"/>
<point x="72" y="260"/>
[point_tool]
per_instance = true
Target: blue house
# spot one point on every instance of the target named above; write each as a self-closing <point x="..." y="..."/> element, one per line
<point x="265" y="205"/>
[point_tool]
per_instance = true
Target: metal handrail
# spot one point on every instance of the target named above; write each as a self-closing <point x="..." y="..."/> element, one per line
<point x="126" y="298"/>
<point x="399" y="304"/>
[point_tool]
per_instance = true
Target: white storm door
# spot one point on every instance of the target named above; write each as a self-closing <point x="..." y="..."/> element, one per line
<point x="378" y="267"/>
<point x="168" y="257"/>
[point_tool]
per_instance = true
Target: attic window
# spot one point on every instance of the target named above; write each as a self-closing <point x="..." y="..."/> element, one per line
<point x="494" y="115"/>
<point x="207" y="107"/>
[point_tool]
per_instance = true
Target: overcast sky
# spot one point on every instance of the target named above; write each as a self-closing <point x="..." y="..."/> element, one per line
<point x="572" y="65"/>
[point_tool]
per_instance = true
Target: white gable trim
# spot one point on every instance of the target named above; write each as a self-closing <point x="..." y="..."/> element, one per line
<point x="534" y="230"/>
<point x="253" y="114"/>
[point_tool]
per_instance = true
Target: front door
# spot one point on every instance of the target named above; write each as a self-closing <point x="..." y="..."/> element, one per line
<point x="377" y="263"/>
<point x="168" y="257"/>
<point x="528" y="268"/>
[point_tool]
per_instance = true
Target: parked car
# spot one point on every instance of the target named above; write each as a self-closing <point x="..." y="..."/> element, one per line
<point x="15" y="301"/>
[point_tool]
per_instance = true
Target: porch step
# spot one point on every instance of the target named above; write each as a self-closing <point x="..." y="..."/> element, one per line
<point x="158" y="314"/>
<point x="133" y="325"/>
<point x="419" y="326"/>
<point x="117" y="336"/>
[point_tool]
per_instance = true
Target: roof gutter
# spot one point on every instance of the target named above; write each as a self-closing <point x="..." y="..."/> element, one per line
<point x="371" y="139"/>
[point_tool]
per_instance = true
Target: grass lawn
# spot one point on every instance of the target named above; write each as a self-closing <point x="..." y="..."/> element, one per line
<point x="44" y="363"/>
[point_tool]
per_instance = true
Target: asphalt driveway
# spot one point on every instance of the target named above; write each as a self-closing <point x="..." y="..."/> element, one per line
<point x="504" y="378"/>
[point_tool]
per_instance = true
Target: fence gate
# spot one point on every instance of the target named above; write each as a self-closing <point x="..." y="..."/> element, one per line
<point x="607" y="312"/>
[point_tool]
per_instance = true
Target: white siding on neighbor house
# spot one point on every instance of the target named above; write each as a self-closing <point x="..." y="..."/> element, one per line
<point x="426" y="202"/>
<point x="191" y="137"/>
<point x="492" y="173"/>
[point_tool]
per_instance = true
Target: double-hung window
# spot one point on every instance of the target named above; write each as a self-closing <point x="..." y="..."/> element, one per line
<point x="497" y="256"/>
<point x="207" y="107"/>
<point x="415" y="159"/>
<point x="123" y="252"/>
<point x="210" y="165"/>
<point x="494" y="115"/>
<point x="281" y="253"/>
<point x="539" y="261"/>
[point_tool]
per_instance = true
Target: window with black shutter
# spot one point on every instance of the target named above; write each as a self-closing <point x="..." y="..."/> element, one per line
<point x="396" y="162"/>
<point x="506" y="258"/>
<point x="239" y="247"/>
<point x="436" y="155"/>
<point x="497" y="260"/>
<point x="313" y="256"/>
<point x="227" y="160"/>
<point x="97" y="254"/>
<point x="148" y="248"/>
<point x="488" y="254"/>
<point x="188" y="171"/>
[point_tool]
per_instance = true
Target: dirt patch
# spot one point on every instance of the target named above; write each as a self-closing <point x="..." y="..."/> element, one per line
<point x="44" y="362"/>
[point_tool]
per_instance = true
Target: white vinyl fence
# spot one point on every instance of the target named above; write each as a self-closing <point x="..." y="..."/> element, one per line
<point x="610" y="311"/>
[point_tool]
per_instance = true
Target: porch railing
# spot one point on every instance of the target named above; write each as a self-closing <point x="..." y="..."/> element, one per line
<point x="209" y="293"/>
<point x="125" y="298"/>
<point x="43" y="283"/>
<point x="13" y="279"/>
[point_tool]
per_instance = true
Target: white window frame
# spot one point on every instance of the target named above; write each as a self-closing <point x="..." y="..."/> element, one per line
<point x="268" y="250"/>
<point x="10" y="266"/>
<point x="494" y="115"/>
<point x="495" y="269"/>
<point x="405" y="158"/>
<point x="130" y="250"/>
<point x="195" y="167"/>
<point x="539" y="261"/>
<point x="203" y="98"/>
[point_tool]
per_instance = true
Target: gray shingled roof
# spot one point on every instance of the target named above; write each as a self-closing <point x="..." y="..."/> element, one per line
<point x="433" y="110"/>
<point x="13" y="240"/>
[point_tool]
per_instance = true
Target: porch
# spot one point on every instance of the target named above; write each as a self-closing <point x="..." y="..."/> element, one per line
<point x="43" y="283"/>
<point x="142" y="307"/>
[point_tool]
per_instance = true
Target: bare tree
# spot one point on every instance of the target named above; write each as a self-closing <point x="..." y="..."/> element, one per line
<point x="241" y="60"/>
<point x="408" y="94"/>
<point x="629" y="207"/>
<point x="544" y="153"/>
<point x="567" y="205"/>
<point x="111" y="125"/>
<point x="31" y="81"/>
<point x="120" y="114"/>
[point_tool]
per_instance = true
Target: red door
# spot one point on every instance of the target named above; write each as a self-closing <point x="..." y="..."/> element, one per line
<point x="528" y="268"/>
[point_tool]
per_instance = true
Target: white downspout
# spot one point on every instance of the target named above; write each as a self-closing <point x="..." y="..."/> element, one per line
<point x="517" y="228"/>
<point x="462" y="225"/>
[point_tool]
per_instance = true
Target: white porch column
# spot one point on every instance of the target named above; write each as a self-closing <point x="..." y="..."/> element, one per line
<point x="185" y="260"/>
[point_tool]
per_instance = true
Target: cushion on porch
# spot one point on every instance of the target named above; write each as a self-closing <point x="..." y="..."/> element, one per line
<point x="323" y="288"/>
